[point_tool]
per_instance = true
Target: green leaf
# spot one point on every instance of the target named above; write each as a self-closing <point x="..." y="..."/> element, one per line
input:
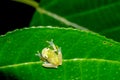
<point x="98" y="16"/>
<point x="86" y="55"/>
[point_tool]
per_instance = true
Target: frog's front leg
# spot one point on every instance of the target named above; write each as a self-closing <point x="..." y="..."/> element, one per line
<point x="38" y="54"/>
<point x="46" y="64"/>
<point x="52" y="44"/>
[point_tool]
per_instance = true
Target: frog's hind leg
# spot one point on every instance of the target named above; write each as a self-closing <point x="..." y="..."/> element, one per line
<point x="45" y="64"/>
<point x="60" y="56"/>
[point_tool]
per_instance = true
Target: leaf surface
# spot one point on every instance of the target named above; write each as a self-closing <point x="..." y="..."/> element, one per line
<point x="86" y="55"/>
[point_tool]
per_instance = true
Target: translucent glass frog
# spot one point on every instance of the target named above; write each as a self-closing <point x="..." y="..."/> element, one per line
<point x="51" y="56"/>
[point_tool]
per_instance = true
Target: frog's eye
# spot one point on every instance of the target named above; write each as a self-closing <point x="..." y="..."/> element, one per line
<point x="44" y="56"/>
<point x="44" y="53"/>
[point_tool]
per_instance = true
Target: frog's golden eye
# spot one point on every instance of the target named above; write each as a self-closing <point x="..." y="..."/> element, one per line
<point x="45" y="53"/>
<point x="44" y="56"/>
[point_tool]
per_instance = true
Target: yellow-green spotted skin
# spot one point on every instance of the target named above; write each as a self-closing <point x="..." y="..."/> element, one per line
<point x="51" y="57"/>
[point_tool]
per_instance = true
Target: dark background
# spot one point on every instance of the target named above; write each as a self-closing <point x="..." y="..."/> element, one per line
<point x="14" y="15"/>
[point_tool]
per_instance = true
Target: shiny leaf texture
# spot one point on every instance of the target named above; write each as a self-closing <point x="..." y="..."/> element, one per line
<point x="86" y="55"/>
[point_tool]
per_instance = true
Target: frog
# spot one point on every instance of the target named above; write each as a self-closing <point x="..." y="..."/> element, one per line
<point x="51" y="56"/>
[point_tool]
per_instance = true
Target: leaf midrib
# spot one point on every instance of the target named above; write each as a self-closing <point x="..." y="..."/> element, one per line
<point x="65" y="60"/>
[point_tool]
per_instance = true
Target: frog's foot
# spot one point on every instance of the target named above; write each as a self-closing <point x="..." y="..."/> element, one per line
<point x="52" y="44"/>
<point x="38" y="54"/>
